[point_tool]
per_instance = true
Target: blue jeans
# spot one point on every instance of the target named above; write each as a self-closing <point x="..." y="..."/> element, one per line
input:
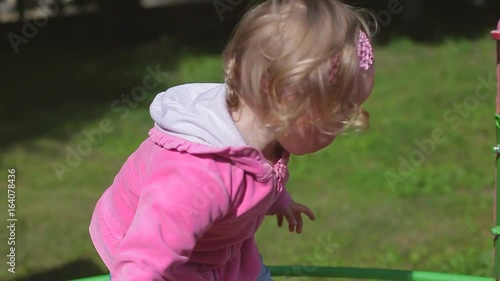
<point x="265" y="274"/>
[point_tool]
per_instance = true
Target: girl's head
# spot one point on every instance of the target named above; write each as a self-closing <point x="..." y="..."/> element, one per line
<point x="296" y="64"/>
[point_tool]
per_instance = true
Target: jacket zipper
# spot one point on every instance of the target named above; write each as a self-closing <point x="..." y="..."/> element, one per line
<point x="277" y="182"/>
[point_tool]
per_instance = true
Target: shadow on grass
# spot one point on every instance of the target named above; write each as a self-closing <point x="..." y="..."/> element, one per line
<point x="69" y="75"/>
<point x="80" y="268"/>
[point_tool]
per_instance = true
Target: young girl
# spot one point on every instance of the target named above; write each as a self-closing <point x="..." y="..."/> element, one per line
<point x="187" y="203"/>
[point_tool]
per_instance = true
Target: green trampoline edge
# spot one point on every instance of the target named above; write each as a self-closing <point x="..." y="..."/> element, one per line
<point x="351" y="272"/>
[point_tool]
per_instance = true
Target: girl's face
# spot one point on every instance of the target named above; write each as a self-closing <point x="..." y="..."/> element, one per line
<point x="304" y="138"/>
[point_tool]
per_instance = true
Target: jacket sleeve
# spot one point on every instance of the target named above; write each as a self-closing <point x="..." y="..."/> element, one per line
<point x="175" y="208"/>
<point x="282" y="202"/>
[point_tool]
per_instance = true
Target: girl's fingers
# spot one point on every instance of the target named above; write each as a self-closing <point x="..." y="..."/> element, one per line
<point x="293" y="215"/>
<point x="299" y="223"/>
<point x="308" y="212"/>
<point x="291" y="219"/>
<point x="280" y="220"/>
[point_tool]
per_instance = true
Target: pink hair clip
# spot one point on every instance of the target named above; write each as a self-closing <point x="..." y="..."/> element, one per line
<point x="365" y="55"/>
<point x="365" y="51"/>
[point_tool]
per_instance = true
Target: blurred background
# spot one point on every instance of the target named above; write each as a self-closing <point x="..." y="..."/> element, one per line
<point x="414" y="192"/>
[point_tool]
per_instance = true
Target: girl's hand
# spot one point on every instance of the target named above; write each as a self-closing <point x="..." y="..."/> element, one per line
<point x="294" y="217"/>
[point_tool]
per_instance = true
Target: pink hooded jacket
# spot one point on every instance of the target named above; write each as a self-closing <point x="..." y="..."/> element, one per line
<point x="187" y="203"/>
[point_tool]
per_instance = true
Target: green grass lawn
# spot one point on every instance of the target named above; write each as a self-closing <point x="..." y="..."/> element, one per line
<point x="381" y="199"/>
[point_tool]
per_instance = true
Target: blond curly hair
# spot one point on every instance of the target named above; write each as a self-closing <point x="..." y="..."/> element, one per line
<point x="278" y="62"/>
